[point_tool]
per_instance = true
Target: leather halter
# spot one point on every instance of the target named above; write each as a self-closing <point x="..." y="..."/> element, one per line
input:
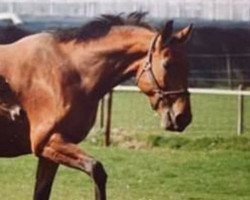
<point x="148" y="69"/>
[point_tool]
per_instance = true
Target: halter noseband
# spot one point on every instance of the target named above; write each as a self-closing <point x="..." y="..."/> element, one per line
<point x="148" y="69"/>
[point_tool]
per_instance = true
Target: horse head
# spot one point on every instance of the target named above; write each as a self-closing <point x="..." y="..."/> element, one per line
<point x="163" y="77"/>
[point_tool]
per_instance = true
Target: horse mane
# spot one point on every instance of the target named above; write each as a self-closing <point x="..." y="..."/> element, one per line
<point x="100" y="27"/>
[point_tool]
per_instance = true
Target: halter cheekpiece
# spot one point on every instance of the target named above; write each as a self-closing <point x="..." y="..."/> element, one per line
<point x="148" y="69"/>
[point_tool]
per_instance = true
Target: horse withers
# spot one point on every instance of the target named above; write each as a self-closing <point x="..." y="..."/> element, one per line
<point x="60" y="76"/>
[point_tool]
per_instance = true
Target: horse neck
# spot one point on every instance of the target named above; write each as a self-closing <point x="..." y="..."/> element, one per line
<point x="112" y="60"/>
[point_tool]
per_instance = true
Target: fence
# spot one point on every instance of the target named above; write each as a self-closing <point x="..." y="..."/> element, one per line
<point x="216" y="113"/>
<point x="226" y="70"/>
<point x="220" y="111"/>
<point x="211" y="10"/>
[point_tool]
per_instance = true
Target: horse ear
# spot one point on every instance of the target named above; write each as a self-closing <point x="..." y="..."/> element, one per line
<point x="183" y="35"/>
<point x="167" y="32"/>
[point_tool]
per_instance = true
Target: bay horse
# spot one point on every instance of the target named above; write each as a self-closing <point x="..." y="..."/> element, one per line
<point x="59" y="77"/>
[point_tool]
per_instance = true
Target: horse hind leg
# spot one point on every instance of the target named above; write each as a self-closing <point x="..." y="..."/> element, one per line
<point x="14" y="137"/>
<point x="69" y="154"/>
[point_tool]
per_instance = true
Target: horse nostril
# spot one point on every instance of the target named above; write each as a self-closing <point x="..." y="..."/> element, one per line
<point x="175" y="123"/>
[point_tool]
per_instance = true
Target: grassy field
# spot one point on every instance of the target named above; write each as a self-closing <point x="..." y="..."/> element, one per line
<point x="146" y="174"/>
<point x="208" y="162"/>
<point x="213" y="115"/>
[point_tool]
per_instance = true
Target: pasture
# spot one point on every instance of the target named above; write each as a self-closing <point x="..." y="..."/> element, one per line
<point x="148" y="174"/>
<point x="213" y="116"/>
<point x="208" y="162"/>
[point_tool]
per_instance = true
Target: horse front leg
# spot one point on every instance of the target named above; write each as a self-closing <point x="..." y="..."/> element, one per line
<point x="60" y="151"/>
<point x="100" y="178"/>
<point x="46" y="171"/>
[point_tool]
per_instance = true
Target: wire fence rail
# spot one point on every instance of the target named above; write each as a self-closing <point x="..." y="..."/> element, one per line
<point x="191" y="90"/>
<point x="231" y="113"/>
<point x="226" y="71"/>
<point x="219" y="70"/>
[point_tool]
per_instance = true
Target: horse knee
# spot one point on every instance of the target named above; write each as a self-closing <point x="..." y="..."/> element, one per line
<point x="38" y="150"/>
<point x="99" y="174"/>
<point x="40" y="144"/>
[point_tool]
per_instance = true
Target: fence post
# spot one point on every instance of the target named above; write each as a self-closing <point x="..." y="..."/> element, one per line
<point x="240" y="120"/>
<point x="108" y="119"/>
<point x="102" y="102"/>
<point x="229" y="71"/>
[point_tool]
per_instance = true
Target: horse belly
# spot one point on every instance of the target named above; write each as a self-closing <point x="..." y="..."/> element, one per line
<point x="14" y="138"/>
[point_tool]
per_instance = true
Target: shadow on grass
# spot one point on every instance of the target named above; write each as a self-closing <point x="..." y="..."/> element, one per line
<point x="124" y="140"/>
<point x="204" y="143"/>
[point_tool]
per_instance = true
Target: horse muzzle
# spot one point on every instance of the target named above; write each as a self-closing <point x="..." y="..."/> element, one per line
<point x="172" y="121"/>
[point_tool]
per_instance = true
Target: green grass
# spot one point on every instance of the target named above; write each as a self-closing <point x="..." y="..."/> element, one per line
<point x="213" y="115"/>
<point x="207" y="162"/>
<point x="204" y="143"/>
<point x="146" y="174"/>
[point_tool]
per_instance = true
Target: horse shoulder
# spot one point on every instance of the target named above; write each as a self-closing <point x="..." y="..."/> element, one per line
<point x="36" y="79"/>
